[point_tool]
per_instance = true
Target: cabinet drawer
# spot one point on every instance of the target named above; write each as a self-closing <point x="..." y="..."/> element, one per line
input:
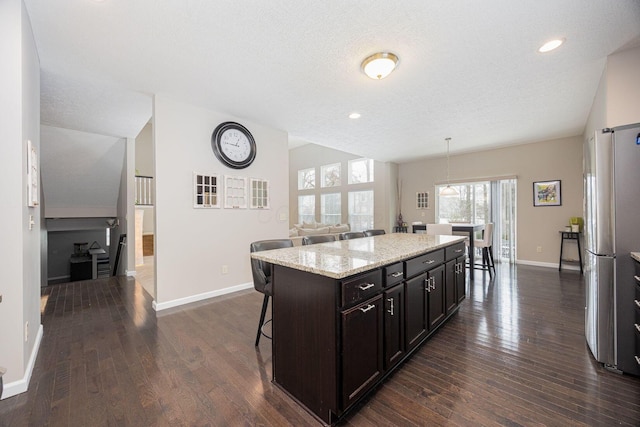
<point x="359" y="288"/>
<point x="393" y="274"/>
<point x="423" y="263"/>
<point x="455" y="251"/>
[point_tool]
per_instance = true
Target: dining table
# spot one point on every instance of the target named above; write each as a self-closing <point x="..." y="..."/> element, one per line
<point x="467" y="228"/>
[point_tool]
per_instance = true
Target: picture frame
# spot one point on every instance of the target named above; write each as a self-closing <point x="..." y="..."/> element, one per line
<point x="547" y="193"/>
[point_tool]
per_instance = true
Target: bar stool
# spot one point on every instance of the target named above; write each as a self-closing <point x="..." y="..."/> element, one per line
<point x="486" y="244"/>
<point x="261" y="272"/>
<point x="322" y="238"/>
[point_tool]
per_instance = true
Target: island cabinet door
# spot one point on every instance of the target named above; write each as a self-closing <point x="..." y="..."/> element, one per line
<point x="450" y="288"/>
<point x="415" y="310"/>
<point x="361" y="349"/>
<point x="393" y="325"/>
<point x="461" y="279"/>
<point x="436" y="295"/>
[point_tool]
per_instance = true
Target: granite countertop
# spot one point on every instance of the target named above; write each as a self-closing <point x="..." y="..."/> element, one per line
<point x="348" y="257"/>
<point x="636" y="256"/>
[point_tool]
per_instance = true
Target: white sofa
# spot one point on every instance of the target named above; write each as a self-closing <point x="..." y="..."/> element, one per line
<point x="298" y="231"/>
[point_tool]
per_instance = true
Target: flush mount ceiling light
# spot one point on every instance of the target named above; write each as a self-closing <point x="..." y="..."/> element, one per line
<point x="354" y="115"/>
<point x="550" y="45"/>
<point x="448" y="191"/>
<point x="379" y="65"/>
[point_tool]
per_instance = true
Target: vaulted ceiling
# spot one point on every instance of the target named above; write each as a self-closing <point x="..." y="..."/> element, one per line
<point x="468" y="69"/>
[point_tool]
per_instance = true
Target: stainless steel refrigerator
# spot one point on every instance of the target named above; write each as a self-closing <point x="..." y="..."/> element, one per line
<point x="611" y="232"/>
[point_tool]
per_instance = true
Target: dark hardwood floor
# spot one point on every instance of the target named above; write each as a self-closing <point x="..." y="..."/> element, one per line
<point x="515" y="354"/>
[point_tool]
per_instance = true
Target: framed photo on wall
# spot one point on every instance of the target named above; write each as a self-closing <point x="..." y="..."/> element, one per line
<point x="547" y="193"/>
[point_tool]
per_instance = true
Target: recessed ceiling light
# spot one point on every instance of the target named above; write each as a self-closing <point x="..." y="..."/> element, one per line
<point x="354" y="115"/>
<point x="550" y="45"/>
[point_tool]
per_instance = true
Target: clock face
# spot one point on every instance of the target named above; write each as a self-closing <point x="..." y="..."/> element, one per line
<point x="233" y="145"/>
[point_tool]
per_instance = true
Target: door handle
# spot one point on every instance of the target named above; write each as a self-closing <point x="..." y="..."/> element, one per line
<point x="390" y="306"/>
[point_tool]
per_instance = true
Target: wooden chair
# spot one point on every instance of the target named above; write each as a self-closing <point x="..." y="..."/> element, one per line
<point x="369" y="233"/>
<point x="261" y="272"/>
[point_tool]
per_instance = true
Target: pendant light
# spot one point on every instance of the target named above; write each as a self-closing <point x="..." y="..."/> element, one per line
<point x="448" y="191"/>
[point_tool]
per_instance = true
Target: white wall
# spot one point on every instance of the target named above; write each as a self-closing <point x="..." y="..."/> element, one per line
<point x="541" y="161"/>
<point x="623" y="88"/>
<point x="144" y="166"/>
<point x="192" y="245"/>
<point x="20" y="247"/>
<point x="315" y="156"/>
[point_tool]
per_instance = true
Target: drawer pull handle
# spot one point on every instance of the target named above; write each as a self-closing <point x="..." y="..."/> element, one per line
<point x="367" y="308"/>
<point x="637" y="360"/>
<point x="431" y="261"/>
<point x="390" y="306"/>
<point x="458" y="251"/>
<point x="637" y="327"/>
<point x="397" y="274"/>
<point x="637" y="278"/>
<point x="365" y="286"/>
<point x="637" y="302"/>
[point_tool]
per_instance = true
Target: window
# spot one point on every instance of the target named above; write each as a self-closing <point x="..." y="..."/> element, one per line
<point x="472" y="206"/>
<point x="330" y="175"/>
<point x="483" y="202"/>
<point x="361" y="210"/>
<point x="330" y="208"/>
<point x="307" y="179"/>
<point x="360" y="170"/>
<point x="306" y="208"/>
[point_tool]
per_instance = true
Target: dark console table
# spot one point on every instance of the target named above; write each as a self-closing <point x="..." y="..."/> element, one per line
<point x="570" y="235"/>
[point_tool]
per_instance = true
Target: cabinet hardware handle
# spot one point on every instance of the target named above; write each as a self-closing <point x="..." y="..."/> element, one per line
<point x="397" y="274"/>
<point x="431" y="261"/>
<point x="637" y="302"/>
<point x="637" y="327"/>
<point x="458" y="251"/>
<point x="367" y="308"/>
<point x="391" y="305"/>
<point x="365" y="286"/>
<point x="637" y="360"/>
<point x="430" y="284"/>
<point x="637" y="278"/>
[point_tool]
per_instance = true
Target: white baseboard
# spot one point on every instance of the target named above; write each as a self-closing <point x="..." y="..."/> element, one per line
<point x="194" y="298"/>
<point x="20" y="386"/>
<point x="131" y="273"/>
<point x="548" y="264"/>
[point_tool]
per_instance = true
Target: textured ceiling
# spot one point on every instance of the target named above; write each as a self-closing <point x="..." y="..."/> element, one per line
<point x="468" y="69"/>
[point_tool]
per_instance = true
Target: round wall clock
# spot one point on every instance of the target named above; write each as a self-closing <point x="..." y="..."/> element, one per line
<point x="233" y="145"/>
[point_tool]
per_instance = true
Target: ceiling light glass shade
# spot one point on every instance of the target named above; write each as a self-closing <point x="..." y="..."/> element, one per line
<point x="449" y="191"/>
<point x="379" y="65"/>
<point x="550" y="45"/>
<point x="354" y="115"/>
